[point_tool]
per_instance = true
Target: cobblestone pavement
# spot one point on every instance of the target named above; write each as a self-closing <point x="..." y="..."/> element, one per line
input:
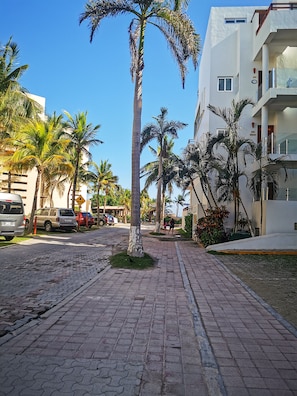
<point x="186" y="327"/>
<point x="33" y="285"/>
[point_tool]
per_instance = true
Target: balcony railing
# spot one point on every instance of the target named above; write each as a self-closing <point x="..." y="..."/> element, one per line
<point x="283" y="194"/>
<point x="275" y="7"/>
<point x="284" y="144"/>
<point x="280" y="78"/>
<point x="287" y="194"/>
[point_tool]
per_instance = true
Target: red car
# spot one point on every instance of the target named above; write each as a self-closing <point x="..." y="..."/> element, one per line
<point x="84" y="219"/>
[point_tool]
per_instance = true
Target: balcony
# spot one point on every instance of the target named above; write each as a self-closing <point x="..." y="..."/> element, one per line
<point x="282" y="78"/>
<point x="274" y="7"/>
<point x="281" y="144"/>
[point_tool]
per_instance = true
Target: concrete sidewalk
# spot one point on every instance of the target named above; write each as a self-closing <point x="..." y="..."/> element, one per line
<point x="186" y="327"/>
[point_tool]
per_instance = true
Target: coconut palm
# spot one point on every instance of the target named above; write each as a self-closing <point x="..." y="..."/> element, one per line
<point x="103" y="179"/>
<point x="82" y="136"/>
<point x="159" y="131"/>
<point x="171" y="20"/>
<point x="39" y="145"/>
<point x="180" y="201"/>
<point x="151" y="171"/>
<point x="15" y="105"/>
<point x="125" y="200"/>
<point x="229" y="168"/>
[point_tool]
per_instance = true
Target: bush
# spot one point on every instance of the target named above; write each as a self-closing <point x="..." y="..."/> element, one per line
<point x="188" y="225"/>
<point x="210" y="229"/>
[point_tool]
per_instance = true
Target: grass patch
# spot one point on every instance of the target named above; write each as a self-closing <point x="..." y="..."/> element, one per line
<point x="184" y="233"/>
<point x="14" y="241"/>
<point x="123" y="260"/>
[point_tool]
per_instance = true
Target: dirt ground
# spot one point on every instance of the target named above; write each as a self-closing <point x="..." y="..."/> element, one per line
<point x="273" y="277"/>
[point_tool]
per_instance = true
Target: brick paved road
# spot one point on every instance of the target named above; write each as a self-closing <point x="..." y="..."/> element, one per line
<point x="38" y="274"/>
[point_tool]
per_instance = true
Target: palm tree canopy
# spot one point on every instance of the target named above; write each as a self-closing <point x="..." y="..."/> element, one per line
<point x="167" y="16"/>
<point x="81" y="133"/>
<point x="161" y="129"/>
<point x="15" y="105"/>
<point x="9" y="74"/>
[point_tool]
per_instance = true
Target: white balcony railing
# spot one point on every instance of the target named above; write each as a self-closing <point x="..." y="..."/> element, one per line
<point x="280" y="78"/>
<point x="285" y="144"/>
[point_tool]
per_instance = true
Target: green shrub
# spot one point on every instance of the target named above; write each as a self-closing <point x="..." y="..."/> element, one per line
<point x="210" y="229"/>
<point x="188" y="225"/>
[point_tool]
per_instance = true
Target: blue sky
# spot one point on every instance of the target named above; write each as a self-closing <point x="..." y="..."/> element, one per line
<point x="76" y="76"/>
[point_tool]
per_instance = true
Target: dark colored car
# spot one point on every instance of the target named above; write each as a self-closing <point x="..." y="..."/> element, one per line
<point x="85" y="219"/>
<point x="105" y="219"/>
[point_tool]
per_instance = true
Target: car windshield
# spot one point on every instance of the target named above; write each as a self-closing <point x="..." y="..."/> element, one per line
<point x="7" y="207"/>
<point x="66" y="212"/>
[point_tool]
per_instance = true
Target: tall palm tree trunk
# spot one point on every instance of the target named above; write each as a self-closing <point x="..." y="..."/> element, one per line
<point x="75" y="181"/>
<point x="159" y="193"/>
<point x="34" y="204"/>
<point x="135" y="247"/>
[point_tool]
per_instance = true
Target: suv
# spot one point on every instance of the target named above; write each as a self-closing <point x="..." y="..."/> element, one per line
<point x="51" y="218"/>
<point x="85" y="219"/>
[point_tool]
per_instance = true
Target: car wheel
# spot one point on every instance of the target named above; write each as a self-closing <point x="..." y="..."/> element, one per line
<point x="48" y="226"/>
<point x="8" y="238"/>
<point x="101" y="222"/>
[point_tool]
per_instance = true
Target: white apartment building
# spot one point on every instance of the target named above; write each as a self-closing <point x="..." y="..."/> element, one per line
<point x="251" y="52"/>
<point x="24" y="184"/>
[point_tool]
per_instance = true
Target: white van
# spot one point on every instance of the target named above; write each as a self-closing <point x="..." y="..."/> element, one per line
<point x="12" y="218"/>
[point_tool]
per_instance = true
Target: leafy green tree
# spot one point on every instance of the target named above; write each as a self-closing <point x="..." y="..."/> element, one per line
<point x="171" y="20"/>
<point x="82" y="136"/>
<point x="159" y="131"/>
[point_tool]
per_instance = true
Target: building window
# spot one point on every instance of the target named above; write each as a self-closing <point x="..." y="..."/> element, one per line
<point x="221" y="133"/>
<point x="235" y="20"/>
<point x="225" y="84"/>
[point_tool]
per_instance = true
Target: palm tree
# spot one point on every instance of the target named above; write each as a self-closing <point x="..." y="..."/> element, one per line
<point x="125" y="200"/>
<point x="171" y="20"/>
<point x="151" y="172"/>
<point x="15" y="105"/>
<point x="198" y="163"/>
<point x="180" y="201"/>
<point x="181" y="171"/>
<point x="229" y="169"/>
<point x="38" y="145"/>
<point x="102" y="179"/>
<point x="159" y="131"/>
<point x="82" y="136"/>
<point x="264" y="175"/>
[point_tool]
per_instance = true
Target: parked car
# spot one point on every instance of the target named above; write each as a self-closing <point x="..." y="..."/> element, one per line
<point x="85" y="219"/>
<point x="55" y="218"/>
<point x="12" y="218"/>
<point x="102" y="219"/>
<point x="109" y="219"/>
